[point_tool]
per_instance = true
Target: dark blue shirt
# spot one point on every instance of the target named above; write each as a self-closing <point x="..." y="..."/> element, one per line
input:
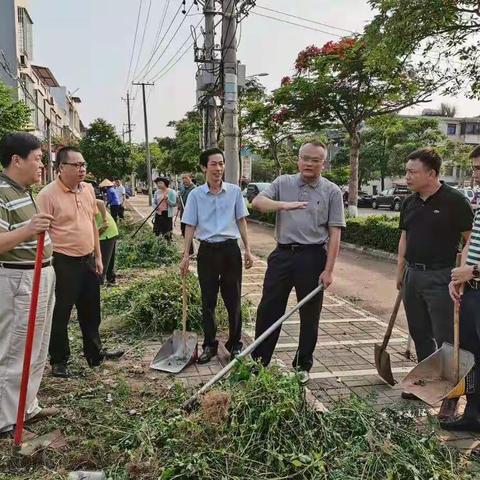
<point x="112" y="197"/>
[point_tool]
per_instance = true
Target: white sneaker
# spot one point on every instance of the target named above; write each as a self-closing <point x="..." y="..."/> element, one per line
<point x="303" y="377"/>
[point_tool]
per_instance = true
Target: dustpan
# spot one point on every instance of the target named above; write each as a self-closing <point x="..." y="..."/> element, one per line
<point x="181" y="349"/>
<point x="437" y="377"/>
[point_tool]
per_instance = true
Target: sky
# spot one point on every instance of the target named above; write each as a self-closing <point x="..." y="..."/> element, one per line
<point x="88" y="46"/>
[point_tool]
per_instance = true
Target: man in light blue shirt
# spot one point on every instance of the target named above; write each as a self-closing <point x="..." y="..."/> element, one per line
<point x="216" y="214"/>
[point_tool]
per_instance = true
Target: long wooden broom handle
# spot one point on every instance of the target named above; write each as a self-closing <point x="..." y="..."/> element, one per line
<point x="391" y="322"/>
<point x="184" y="304"/>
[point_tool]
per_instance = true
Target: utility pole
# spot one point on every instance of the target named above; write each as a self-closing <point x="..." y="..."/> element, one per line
<point x="147" y="145"/>
<point x="129" y="131"/>
<point x="230" y="89"/>
<point x="49" y="151"/>
<point x="211" y="107"/>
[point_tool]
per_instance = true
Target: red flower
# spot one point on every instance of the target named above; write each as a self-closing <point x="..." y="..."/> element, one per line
<point x="305" y="57"/>
<point x="286" y="81"/>
<point x="281" y="116"/>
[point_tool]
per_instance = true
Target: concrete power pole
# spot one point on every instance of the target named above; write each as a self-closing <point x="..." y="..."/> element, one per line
<point x="147" y="145"/>
<point x="230" y="89"/>
<point x="129" y="131"/>
<point x="211" y="107"/>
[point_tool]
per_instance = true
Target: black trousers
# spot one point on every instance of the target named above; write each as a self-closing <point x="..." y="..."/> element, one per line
<point x="116" y="211"/>
<point x="299" y="268"/>
<point x="108" y="258"/>
<point x="77" y="284"/>
<point x="219" y="266"/>
<point x="163" y="225"/>
<point x="429" y="309"/>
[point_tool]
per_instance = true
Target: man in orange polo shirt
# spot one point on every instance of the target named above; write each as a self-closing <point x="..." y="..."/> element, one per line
<point x="77" y="260"/>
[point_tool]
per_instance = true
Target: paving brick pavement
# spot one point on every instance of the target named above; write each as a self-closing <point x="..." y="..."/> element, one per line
<point x="344" y="356"/>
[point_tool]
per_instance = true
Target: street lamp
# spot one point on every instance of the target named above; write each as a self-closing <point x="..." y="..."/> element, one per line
<point x="263" y="74"/>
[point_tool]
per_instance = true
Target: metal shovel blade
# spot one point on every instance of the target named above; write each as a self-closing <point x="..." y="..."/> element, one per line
<point x="433" y="379"/>
<point x="179" y="351"/>
<point x="382" y="362"/>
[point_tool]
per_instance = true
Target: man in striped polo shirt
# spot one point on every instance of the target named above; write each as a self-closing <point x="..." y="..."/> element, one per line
<point x="468" y="275"/>
<point x="20" y="223"/>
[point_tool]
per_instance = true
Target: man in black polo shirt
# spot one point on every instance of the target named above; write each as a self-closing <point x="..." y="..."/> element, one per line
<point x="433" y="222"/>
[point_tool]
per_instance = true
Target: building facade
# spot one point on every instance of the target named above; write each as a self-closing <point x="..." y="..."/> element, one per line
<point x="50" y="103"/>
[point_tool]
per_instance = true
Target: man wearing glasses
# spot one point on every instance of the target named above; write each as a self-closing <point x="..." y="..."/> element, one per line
<point x="77" y="260"/>
<point x="309" y="220"/>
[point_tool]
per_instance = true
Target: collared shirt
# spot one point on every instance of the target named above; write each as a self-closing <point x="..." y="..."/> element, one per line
<point x="309" y="225"/>
<point x="121" y="193"/>
<point x="72" y="228"/>
<point x="163" y="204"/>
<point x="215" y="214"/>
<point x="434" y="226"/>
<point x="112" y="197"/>
<point x="473" y="256"/>
<point x="183" y="197"/>
<point x="17" y="207"/>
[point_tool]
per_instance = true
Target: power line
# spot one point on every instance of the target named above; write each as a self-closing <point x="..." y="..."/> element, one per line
<point x="173" y="57"/>
<point x="169" y="43"/>
<point x="298" y="25"/>
<point x="147" y="18"/>
<point x="147" y="67"/>
<point x="178" y="59"/>
<point x="306" y="19"/>
<point x="134" y="42"/>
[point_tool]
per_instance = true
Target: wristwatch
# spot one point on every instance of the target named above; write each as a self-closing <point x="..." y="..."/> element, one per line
<point x="476" y="273"/>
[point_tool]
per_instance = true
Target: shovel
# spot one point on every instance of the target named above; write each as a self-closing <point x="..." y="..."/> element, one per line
<point x="181" y="349"/>
<point x="192" y="401"/>
<point x="382" y="357"/>
<point x="437" y="377"/>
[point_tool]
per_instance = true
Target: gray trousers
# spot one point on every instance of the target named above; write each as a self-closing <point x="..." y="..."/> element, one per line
<point x="429" y="309"/>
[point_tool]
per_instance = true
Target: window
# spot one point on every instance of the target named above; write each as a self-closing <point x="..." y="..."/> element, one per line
<point x="29" y="96"/>
<point x="25" y="35"/>
<point x="473" y="129"/>
<point x="452" y="129"/>
<point x="448" y="170"/>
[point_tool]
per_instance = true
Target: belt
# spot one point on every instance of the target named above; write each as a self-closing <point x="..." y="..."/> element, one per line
<point x="83" y="258"/>
<point x="225" y="243"/>
<point x="299" y="246"/>
<point x="20" y="266"/>
<point x="428" y="266"/>
<point x="474" y="284"/>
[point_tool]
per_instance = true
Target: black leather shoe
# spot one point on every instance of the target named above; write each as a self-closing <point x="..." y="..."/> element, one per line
<point x="409" y="396"/>
<point x="462" y="424"/>
<point x="106" y="355"/>
<point x="60" y="370"/>
<point x="234" y="353"/>
<point x="207" y="354"/>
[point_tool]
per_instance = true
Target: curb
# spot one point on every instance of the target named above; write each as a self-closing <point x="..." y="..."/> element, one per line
<point x="380" y="254"/>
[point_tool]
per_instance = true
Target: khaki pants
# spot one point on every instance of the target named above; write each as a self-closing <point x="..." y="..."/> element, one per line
<point x="15" y="296"/>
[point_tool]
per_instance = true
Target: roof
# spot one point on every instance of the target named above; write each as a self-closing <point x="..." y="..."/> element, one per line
<point x="45" y="75"/>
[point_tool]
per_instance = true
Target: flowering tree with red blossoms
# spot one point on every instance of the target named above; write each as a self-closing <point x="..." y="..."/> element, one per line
<point x="346" y="82"/>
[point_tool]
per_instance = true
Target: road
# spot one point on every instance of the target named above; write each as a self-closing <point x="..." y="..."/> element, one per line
<point x="365" y="212"/>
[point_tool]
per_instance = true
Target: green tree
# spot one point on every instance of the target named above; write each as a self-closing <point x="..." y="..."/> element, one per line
<point x="435" y="29"/>
<point x="343" y="82"/>
<point x="103" y="150"/>
<point x="14" y="115"/>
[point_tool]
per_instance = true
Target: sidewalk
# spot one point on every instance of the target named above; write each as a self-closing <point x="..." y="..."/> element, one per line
<point x="344" y="356"/>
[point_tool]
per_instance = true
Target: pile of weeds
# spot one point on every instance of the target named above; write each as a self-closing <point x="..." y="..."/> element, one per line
<point x="153" y="306"/>
<point x="253" y="427"/>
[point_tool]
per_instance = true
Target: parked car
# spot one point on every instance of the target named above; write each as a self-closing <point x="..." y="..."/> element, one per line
<point x="364" y="199"/>
<point x="471" y="195"/>
<point x="391" y="198"/>
<point x="253" y="189"/>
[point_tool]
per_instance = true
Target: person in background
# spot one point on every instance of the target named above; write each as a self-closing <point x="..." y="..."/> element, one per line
<point x="77" y="260"/>
<point x="122" y="195"/>
<point x="112" y="199"/>
<point x="108" y="234"/>
<point x="188" y="186"/>
<point x="20" y="224"/>
<point x="165" y="200"/>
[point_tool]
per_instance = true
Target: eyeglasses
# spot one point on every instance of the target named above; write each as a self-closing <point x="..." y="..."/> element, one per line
<point x="313" y="160"/>
<point x="78" y="165"/>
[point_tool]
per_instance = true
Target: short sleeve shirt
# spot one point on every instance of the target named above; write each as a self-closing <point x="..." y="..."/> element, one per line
<point x="72" y="228"/>
<point x="434" y="226"/>
<point x="17" y="207"/>
<point x="215" y="216"/>
<point x="309" y="225"/>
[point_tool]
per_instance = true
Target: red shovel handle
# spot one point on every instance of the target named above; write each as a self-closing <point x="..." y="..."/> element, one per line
<point x="29" y="342"/>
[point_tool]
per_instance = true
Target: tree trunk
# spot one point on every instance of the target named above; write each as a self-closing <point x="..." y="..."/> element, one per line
<point x="382" y="182"/>
<point x="273" y="149"/>
<point x="353" y="182"/>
